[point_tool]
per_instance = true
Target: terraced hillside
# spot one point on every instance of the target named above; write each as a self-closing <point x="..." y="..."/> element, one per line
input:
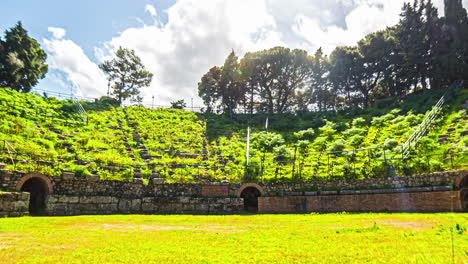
<point x="53" y="137"/>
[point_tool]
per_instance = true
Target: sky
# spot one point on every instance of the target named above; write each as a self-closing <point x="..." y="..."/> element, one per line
<point x="180" y="40"/>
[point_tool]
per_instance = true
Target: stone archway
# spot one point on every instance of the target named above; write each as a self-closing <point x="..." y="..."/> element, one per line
<point x="463" y="186"/>
<point x="39" y="186"/>
<point x="250" y="193"/>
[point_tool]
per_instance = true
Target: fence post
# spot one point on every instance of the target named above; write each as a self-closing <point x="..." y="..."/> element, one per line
<point x="354" y="162"/>
<point x="428" y="164"/>
<point x="386" y="164"/>
<point x="263" y="165"/>
<point x="294" y="162"/>
<point x="451" y="160"/>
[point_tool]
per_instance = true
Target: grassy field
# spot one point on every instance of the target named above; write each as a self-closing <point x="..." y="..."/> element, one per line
<point x="313" y="238"/>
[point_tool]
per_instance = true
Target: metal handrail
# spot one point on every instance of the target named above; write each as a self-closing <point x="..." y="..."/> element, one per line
<point x="422" y="129"/>
<point x="81" y="110"/>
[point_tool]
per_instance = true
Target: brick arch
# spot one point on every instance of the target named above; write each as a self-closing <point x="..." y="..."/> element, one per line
<point x="462" y="180"/>
<point x="462" y="184"/>
<point x="29" y="176"/>
<point x="247" y="185"/>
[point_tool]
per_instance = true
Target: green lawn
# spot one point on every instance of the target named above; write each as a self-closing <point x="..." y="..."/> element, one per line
<point x="313" y="238"/>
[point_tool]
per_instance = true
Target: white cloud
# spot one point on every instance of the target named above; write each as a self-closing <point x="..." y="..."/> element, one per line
<point x="151" y="10"/>
<point x="200" y="34"/>
<point x="66" y="56"/>
<point x="197" y="36"/>
<point x="57" y="33"/>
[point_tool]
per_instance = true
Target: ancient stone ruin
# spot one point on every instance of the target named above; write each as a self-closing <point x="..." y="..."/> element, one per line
<point x="37" y="194"/>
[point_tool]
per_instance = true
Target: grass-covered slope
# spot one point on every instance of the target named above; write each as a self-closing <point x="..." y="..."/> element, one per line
<point x="49" y="136"/>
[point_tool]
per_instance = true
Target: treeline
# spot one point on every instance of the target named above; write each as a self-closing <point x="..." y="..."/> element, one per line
<point x="22" y="61"/>
<point x="423" y="51"/>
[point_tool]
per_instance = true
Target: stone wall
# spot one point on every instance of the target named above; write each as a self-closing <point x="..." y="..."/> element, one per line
<point x="450" y="178"/>
<point x="8" y="179"/>
<point x="215" y="190"/>
<point x="386" y="202"/>
<point x="84" y="187"/>
<point x="91" y="186"/>
<point x="78" y="205"/>
<point x="14" y="204"/>
<point x="71" y="195"/>
<point x="174" y="190"/>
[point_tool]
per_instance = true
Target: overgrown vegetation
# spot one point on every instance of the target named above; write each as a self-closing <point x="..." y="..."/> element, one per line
<point x="48" y="136"/>
<point x="423" y="51"/>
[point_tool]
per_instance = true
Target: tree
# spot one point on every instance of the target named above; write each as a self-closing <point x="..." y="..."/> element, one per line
<point x="208" y="88"/>
<point x="358" y="71"/>
<point x="180" y="104"/>
<point x="278" y="74"/>
<point x="376" y="55"/>
<point x="231" y="85"/>
<point x="128" y="75"/>
<point x="343" y="71"/>
<point x="320" y="90"/>
<point x="223" y="85"/>
<point x="266" y="142"/>
<point x="455" y="30"/>
<point x="417" y="36"/>
<point x="22" y="61"/>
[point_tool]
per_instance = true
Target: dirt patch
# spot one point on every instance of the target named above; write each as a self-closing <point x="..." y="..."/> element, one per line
<point x="139" y="227"/>
<point x="408" y="224"/>
<point x="8" y="238"/>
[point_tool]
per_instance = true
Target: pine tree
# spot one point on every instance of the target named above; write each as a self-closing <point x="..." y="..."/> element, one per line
<point x="128" y="75"/>
<point x="22" y="61"/>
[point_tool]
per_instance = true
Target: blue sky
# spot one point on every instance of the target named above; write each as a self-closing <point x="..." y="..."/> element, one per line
<point x="179" y="40"/>
<point x="88" y="22"/>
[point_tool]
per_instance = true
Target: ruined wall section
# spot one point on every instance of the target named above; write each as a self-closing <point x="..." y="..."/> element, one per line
<point x="14" y="204"/>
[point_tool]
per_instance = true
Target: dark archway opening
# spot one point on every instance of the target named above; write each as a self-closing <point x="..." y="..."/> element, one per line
<point x="38" y="195"/>
<point x="250" y="195"/>
<point x="464" y="193"/>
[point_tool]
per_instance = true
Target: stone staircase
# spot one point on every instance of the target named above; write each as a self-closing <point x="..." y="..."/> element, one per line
<point x="450" y="133"/>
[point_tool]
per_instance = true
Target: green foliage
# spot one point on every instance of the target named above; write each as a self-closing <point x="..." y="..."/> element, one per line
<point x="22" y="61"/>
<point x="307" y="134"/>
<point x="180" y="104"/>
<point x="359" y="122"/>
<point x="282" y="152"/>
<point x="390" y="143"/>
<point x="128" y="75"/>
<point x="338" y="145"/>
<point x="302" y="146"/>
<point x="82" y="171"/>
<point x="267" y="141"/>
<point x="175" y="144"/>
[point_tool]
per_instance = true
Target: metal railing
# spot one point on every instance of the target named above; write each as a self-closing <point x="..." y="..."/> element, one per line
<point x="428" y="121"/>
<point x="82" y="112"/>
<point x="353" y="164"/>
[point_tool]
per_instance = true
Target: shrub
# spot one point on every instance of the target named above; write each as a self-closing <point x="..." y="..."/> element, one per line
<point x="390" y="143"/>
<point x="338" y="145"/>
<point x="82" y="171"/>
<point x="359" y="122"/>
<point x="307" y="134"/>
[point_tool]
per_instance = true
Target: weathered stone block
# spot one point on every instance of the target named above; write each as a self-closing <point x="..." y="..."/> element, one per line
<point x="68" y="175"/>
<point x="158" y="180"/>
<point x="138" y="180"/>
<point x="92" y="178"/>
<point x="135" y="205"/>
<point x="87" y="199"/>
<point x="69" y="199"/>
<point x="148" y="207"/>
